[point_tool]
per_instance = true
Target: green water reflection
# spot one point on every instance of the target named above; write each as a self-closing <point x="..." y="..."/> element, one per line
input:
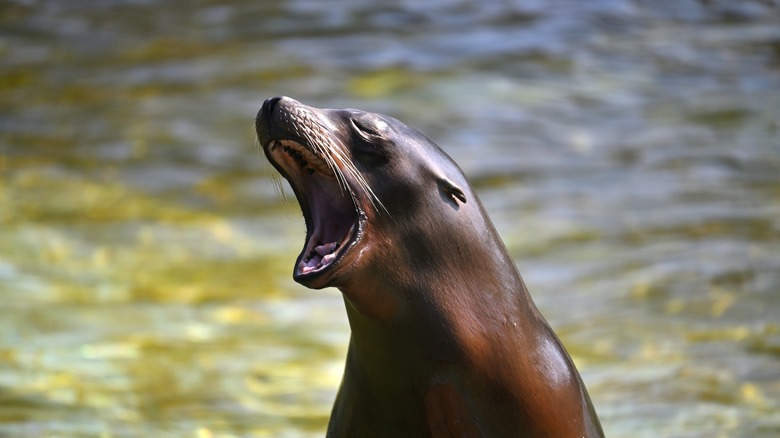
<point x="628" y="153"/>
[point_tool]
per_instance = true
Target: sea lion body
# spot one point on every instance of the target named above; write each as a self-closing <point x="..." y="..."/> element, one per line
<point x="446" y="340"/>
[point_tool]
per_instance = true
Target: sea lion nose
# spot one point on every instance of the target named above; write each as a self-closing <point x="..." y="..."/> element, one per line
<point x="264" y="118"/>
<point x="269" y="105"/>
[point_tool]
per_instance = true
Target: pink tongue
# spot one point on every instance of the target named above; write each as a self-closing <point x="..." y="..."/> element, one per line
<point x="324" y="255"/>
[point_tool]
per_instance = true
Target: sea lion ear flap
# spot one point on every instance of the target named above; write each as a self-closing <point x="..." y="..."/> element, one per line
<point x="452" y="191"/>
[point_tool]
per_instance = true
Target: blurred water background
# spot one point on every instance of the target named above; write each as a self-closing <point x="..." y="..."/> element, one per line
<point x="628" y="152"/>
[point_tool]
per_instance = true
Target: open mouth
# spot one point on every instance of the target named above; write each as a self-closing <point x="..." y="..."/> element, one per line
<point x="333" y="221"/>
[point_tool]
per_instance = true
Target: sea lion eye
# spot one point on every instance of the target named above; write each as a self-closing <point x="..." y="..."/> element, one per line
<point x="369" y="150"/>
<point x="365" y="130"/>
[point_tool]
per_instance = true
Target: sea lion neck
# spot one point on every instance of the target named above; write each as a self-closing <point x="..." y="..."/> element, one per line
<point x="443" y="286"/>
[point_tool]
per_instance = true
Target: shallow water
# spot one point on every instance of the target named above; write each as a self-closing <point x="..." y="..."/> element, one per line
<point x="627" y="151"/>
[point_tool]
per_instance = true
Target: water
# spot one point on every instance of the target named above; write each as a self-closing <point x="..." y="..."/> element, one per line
<point x="627" y="151"/>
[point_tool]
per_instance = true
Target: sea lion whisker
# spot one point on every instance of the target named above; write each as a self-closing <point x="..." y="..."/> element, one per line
<point x="329" y="151"/>
<point x="372" y="197"/>
<point x="359" y="179"/>
<point x="319" y="147"/>
<point x="363" y="185"/>
<point x="335" y="159"/>
<point x="340" y="177"/>
<point x="323" y="126"/>
<point x="276" y="181"/>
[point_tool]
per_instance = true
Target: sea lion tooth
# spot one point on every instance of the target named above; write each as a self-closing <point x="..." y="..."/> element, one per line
<point x="328" y="258"/>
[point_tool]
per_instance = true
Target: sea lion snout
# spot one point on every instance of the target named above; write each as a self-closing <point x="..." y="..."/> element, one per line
<point x="284" y="118"/>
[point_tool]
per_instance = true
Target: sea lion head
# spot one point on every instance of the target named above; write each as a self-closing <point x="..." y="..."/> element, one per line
<point x="364" y="182"/>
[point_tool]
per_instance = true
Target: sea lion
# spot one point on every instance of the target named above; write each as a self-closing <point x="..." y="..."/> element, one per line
<point x="446" y="340"/>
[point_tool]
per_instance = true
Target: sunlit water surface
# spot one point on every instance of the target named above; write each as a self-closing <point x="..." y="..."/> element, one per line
<point x="628" y="152"/>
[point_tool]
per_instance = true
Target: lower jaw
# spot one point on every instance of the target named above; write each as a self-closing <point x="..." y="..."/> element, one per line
<point x="314" y="280"/>
<point x="322" y="255"/>
<point x="317" y="277"/>
<point x="309" y="274"/>
<point x="304" y="271"/>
